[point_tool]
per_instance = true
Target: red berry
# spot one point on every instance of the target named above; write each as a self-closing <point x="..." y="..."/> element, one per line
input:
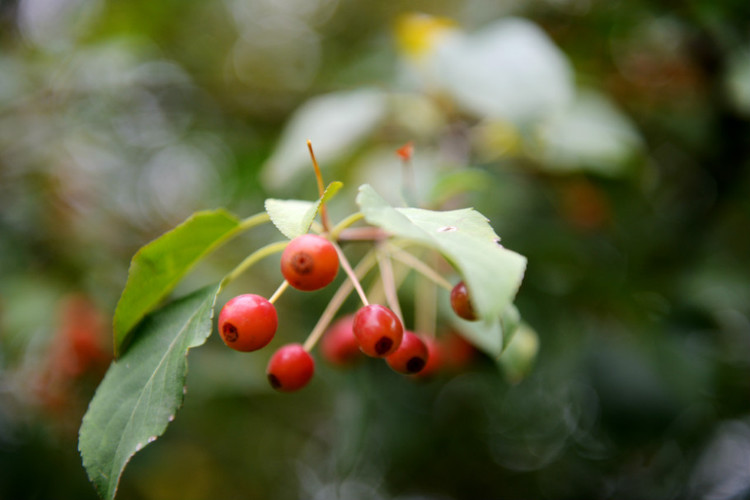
<point x="434" y="357"/>
<point x="457" y="351"/>
<point x="290" y="368"/>
<point x="461" y="303"/>
<point x="339" y="346"/>
<point x="247" y="322"/>
<point x="309" y="262"/>
<point x="378" y="330"/>
<point x="410" y="357"/>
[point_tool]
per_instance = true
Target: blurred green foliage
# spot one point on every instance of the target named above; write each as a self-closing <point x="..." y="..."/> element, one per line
<point x="621" y="174"/>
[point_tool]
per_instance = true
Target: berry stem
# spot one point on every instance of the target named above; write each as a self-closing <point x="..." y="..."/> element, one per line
<point x="420" y="267"/>
<point x="425" y="304"/>
<point x="321" y="187"/>
<point x="368" y="233"/>
<point x="389" y="284"/>
<point x="355" y="217"/>
<point x="352" y="276"/>
<point x="279" y="291"/>
<point x="364" y="266"/>
<point x="251" y="259"/>
<point x="252" y="221"/>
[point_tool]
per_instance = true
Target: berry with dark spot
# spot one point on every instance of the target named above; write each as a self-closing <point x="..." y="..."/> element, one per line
<point x="290" y="368"/>
<point x="435" y="358"/>
<point x="461" y="303"/>
<point x="309" y="262"/>
<point x="339" y="346"/>
<point x="247" y="322"/>
<point x="378" y="330"/>
<point x="410" y="357"/>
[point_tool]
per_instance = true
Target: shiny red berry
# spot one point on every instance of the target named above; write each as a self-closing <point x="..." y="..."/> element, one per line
<point x="339" y="346"/>
<point x="309" y="262"/>
<point x="461" y="303"/>
<point x="435" y="358"/>
<point x="378" y="330"/>
<point x="290" y="368"/>
<point x="411" y="355"/>
<point x="247" y="322"/>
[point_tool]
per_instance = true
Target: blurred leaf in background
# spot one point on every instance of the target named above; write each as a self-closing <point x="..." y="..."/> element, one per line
<point x="609" y="144"/>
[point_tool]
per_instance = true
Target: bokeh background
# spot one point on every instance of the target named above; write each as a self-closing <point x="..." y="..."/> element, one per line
<point x="609" y="142"/>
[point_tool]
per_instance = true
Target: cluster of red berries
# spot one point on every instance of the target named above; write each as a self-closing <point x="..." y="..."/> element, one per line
<point x="309" y="262"/>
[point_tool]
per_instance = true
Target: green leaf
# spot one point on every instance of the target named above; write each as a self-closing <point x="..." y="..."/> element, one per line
<point x="492" y="273"/>
<point x="519" y="357"/>
<point x="492" y="336"/>
<point x="143" y="390"/>
<point x="294" y="217"/>
<point x="287" y="215"/>
<point x="158" y="266"/>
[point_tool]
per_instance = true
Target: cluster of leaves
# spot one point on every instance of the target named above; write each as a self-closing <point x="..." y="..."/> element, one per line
<point x="145" y="385"/>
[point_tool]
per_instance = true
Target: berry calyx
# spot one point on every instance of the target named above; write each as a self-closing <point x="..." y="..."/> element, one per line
<point x="461" y="303"/>
<point x="410" y="357"/>
<point x="339" y="346"/>
<point x="309" y="262"/>
<point x="378" y="330"/>
<point x="247" y="322"/>
<point x="290" y="368"/>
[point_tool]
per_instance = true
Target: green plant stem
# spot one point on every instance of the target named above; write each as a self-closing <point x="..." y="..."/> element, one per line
<point x="251" y="259"/>
<point x="364" y="266"/>
<point x="389" y="284"/>
<point x="252" y="221"/>
<point x="352" y="276"/>
<point x="420" y="267"/>
<point x="348" y="221"/>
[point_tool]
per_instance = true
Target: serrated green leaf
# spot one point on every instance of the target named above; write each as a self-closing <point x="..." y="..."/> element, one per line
<point x="158" y="266"/>
<point x="143" y="390"/>
<point x="492" y="273"/>
<point x="287" y="215"/>
<point x="294" y="217"/>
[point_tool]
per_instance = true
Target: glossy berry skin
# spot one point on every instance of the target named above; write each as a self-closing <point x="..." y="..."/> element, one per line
<point x="247" y="322"/>
<point x="461" y="303"/>
<point x="435" y="358"/>
<point x="378" y="330"/>
<point x="309" y="262"/>
<point x="410" y="357"/>
<point x="339" y="346"/>
<point x="290" y="368"/>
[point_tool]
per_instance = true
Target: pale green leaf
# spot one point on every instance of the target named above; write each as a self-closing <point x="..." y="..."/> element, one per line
<point x="143" y="390"/>
<point x="490" y="336"/>
<point x="510" y="69"/>
<point x="464" y="237"/>
<point x="287" y="215"/>
<point x="335" y="123"/>
<point x="294" y="217"/>
<point x="518" y="358"/>
<point x="158" y="266"/>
